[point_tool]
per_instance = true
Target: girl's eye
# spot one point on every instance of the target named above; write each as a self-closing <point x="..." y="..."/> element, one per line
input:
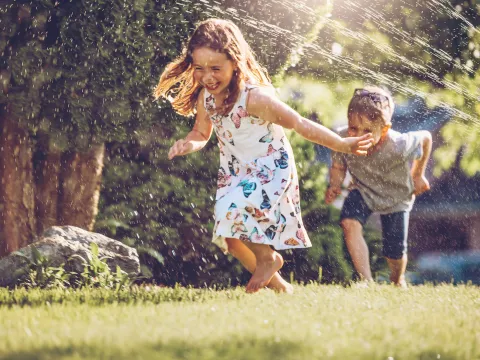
<point x="198" y="68"/>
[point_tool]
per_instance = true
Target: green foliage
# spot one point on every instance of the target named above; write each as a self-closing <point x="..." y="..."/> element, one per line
<point x="24" y="58"/>
<point x="38" y="272"/>
<point x="429" y="49"/>
<point x="96" y="272"/>
<point x="396" y="38"/>
<point x="84" y="71"/>
<point x="326" y="102"/>
<point x="321" y="11"/>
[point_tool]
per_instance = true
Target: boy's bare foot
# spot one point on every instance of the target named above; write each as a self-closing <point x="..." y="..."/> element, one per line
<point x="401" y="284"/>
<point x="264" y="272"/>
<point x="363" y="284"/>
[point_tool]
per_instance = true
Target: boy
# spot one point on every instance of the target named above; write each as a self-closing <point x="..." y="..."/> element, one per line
<point x="385" y="181"/>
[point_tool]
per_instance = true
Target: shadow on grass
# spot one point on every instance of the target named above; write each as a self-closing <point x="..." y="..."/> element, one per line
<point x="231" y="350"/>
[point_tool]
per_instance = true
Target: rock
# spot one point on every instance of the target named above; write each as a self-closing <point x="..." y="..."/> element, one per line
<point x="58" y="244"/>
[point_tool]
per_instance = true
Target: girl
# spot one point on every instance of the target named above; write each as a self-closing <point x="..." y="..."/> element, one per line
<point x="257" y="202"/>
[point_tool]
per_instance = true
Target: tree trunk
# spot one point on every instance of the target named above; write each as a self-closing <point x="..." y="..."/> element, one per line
<point x="80" y="179"/>
<point x="17" y="218"/>
<point x="47" y="172"/>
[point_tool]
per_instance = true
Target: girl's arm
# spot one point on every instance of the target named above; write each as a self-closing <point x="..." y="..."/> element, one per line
<point x="198" y="137"/>
<point x="268" y="107"/>
<point x="420" y="182"/>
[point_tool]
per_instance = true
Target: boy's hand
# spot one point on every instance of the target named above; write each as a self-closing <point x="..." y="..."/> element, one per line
<point x="420" y="184"/>
<point x="358" y="145"/>
<point x="181" y="147"/>
<point x="332" y="193"/>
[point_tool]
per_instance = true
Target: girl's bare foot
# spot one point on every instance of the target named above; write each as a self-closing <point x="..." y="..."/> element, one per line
<point x="279" y="284"/>
<point x="282" y="286"/>
<point x="264" y="272"/>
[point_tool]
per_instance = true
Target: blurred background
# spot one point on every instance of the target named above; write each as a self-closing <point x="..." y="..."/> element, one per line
<point x="83" y="143"/>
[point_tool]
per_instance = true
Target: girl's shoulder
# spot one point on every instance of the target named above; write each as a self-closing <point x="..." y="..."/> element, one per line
<point x="259" y="95"/>
<point x="259" y="90"/>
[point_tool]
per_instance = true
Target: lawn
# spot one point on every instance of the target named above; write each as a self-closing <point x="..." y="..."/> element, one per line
<point x="317" y="322"/>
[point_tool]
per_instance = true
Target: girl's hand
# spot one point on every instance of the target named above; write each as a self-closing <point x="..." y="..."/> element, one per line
<point x="358" y="145"/>
<point x="332" y="193"/>
<point x="420" y="184"/>
<point x="181" y="147"/>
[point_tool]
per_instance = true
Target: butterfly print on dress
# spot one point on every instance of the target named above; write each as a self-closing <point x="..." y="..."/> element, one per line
<point x="238" y="115"/>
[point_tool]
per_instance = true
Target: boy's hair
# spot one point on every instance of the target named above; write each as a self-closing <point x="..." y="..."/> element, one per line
<point x="372" y="102"/>
<point x="177" y="82"/>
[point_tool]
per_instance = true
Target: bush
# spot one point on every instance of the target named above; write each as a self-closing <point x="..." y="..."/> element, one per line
<point x="38" y="273"/>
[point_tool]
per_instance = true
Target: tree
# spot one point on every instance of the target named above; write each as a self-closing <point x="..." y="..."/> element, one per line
<point x="74" y="75"/>
<point x="23" y="34"/>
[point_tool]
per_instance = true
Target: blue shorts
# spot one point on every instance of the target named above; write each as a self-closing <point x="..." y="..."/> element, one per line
<point x="394" y="225"/>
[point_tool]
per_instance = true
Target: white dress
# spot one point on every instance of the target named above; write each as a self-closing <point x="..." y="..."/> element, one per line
<point x="258" y="197"/>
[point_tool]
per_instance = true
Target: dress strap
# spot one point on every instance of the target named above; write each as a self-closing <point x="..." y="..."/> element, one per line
<point x="244" y="95"/>
<point x="206" y="94"/>
<point x="208" y="102"/>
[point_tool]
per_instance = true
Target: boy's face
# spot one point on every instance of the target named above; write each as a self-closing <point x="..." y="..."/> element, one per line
<point x="360" y="125"/>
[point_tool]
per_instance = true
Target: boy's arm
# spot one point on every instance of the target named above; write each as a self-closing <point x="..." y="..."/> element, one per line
<point x="338" y="172"/>
<point x="420" y="182"/>
<point x="198" y="137"/>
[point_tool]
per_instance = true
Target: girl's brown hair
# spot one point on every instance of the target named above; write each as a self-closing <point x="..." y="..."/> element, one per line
<point x="177" y="82"/>
<point x="372" y="102"/>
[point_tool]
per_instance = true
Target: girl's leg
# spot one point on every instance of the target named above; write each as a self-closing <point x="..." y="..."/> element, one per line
<point x="242" y="253"/>
<point x="268" y="263"/>
<point x="357" y="247"/>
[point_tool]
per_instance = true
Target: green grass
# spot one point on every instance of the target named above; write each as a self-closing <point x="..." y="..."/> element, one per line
<point x="317" y="322"/>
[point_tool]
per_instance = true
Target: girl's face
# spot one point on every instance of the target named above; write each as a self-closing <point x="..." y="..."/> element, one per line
<point x="361" y="125"/>
<point x="213" y="70"/>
